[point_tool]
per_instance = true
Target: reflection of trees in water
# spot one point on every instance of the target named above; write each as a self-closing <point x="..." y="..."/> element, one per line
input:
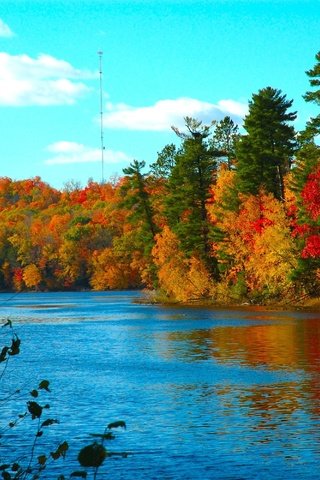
<point x="289" y="344"/>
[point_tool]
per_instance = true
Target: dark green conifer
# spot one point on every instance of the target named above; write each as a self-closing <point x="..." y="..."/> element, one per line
<point x="226" y="134"/>
<point x="137" y="197"/>
<point x="188" y="191"/>
<point x="265" y="153"/>
<point x="313" y="125"/>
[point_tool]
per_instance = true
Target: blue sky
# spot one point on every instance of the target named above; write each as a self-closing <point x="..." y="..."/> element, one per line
<point x="162" y="60"/>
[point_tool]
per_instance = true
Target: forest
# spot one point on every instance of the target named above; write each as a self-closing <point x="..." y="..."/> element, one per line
<point x="224" y="217"/>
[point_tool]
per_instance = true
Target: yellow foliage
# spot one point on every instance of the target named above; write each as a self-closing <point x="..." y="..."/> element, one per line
<point x="31" y="276"/>
<point x="199" y="278"/>
<point x="181" y="278"/>
<point x="258" y="244"/>
<point x="272" y="260"/>
<point x="220" y="192"/>
<point x="110" y="271"/>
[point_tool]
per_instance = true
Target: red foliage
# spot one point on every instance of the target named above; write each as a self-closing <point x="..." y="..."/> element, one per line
<point x="311" y="195"/>
<point x="18" y="274"/>
<point x="301" y="230"/>
<point x="292" y="210"/>
<point x="312" y="247"/>
<point x="79" y="196"/>
<point x="260" y="224"/>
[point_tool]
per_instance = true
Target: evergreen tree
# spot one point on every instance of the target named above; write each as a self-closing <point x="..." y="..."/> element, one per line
<point x="265" y="154"/>
<point x="137" y="197"/>
<point x="188" y="191"/>
<point x="224" y="139"/>
<point x="313" y="125"/>
<point x="165" y="162"/>
<point x="307" y="159"/>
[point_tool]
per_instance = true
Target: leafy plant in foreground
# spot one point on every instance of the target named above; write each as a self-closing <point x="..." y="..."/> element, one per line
<point x="32" y="464"/>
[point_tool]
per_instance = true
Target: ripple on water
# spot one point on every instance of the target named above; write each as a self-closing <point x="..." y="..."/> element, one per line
<point x="205" y="394"/>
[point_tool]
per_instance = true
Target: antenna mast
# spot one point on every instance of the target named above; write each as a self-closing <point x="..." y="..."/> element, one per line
<point x="100" y="53"/>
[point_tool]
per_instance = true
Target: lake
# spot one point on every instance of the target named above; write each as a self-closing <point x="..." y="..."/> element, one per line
<point x="205" y="393"/>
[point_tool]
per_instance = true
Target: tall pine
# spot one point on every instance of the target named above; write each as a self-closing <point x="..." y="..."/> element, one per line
<point x="224" y="139"/>
<point x="188" y="190"/>
<point x="265" y="153"/>
<point x="137" y="199"/>
<point x="313" y="125"/>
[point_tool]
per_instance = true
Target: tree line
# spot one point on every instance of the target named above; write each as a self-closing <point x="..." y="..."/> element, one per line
<point x="225" y="216"/>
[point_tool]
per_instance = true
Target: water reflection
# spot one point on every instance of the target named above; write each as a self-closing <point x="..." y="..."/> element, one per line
<point x="206" y="394"/>
<point x="283" y="414"/>
<point x="289" y="344"/>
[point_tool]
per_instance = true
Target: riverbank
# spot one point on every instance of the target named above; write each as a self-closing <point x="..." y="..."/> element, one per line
<point x="304" y="303"/>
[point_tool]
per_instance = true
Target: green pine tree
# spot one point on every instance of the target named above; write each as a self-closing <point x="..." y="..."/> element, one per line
<point x="162" y="167"/>
<point x="188" y="190"/>
<point x="226" y="134"/>
<point x="265" y="154"/>
<point x="313" y="125"/>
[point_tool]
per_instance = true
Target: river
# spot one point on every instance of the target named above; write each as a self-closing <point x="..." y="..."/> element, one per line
<point x="206" y="394"/>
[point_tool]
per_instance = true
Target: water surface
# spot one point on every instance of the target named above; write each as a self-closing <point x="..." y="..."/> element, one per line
<point x="206" y="394"/>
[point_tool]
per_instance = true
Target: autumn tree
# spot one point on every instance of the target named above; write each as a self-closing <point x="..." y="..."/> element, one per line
<point x="257" y="252"/>
<point x="31" y="276"/>
<point x="306" y="219"/>
<point x="136" y="191"/>
<point x="265" y="153"/>
<point x="180" y="278"/>
<point x="188" y="185"/>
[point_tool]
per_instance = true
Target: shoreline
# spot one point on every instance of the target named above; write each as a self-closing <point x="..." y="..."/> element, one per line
<point x="307" y="305"/>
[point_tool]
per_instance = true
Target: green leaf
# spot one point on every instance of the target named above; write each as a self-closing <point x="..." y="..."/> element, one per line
<point x="44" y="385"/>
<point x="4" y="466"/>
<point x="6" y="476"/>
<point x="8" y="323"/>
<point x="42" y="459"/>
<point x="92" y="455"/>
<point x="61" y="451"/>
<point x="49" y="421"/>
<point x="35" y="409"/>
<point x="15" y="346"/>
<point x="118" y="424"/>
<point x="63" y="448"/>
<point x="3" y="354"/>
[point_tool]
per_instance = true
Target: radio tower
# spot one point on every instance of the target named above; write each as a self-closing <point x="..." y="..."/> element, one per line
<point x="100" y="53"/>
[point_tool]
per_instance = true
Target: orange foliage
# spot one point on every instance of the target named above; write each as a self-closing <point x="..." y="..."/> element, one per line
<point x="258" y="244"/>
<point x="31" y="276"/>
<point x="179" y="277"/>
<point x="111" y="271"/>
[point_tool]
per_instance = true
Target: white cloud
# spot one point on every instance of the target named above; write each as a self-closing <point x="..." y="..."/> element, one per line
<point x="5" y="30"/>
<point x="72" y="152"/>
<point x="164" y="113"/>
<point x="44" y="80"/>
